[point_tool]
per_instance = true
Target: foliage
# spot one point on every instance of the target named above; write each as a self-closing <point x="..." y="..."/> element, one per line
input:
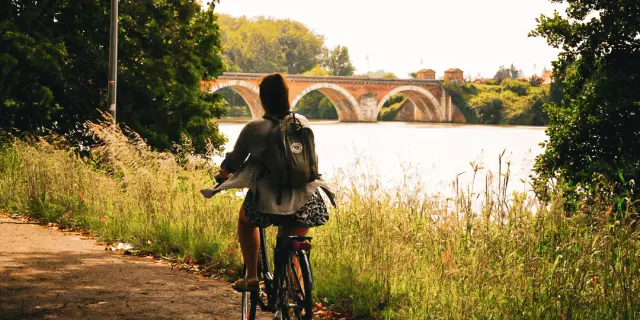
<point x="235" y="103"/>
<point x="387" y="254"/>
<point x="389" y="112"/>
<point x="53" y="74"/>
<point x="518" y="87"/>
<point x="389" y="75"/>
<point x="316" y="105"/>
<point x="391" y="107"/>
<point x="593" y="131"/>
<point x="122" y="192"/>
<point x="489" y="107"/>
<point x="266" y="45"/>
<point x="513" y="102"/>
<point x="529" y="110"/>
<point x="535" y="81"/>
<point x="379" y="74"/>
<point x="503" y="73"/>
<point x="338" y="62"/>
<point x="460" y="95"/>
<point x="318" y="70"/>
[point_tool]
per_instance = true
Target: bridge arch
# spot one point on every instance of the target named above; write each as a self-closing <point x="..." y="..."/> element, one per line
<point x="424" y="101"/>
<point x="344" y="102"/>
<point x="248" y="91"/>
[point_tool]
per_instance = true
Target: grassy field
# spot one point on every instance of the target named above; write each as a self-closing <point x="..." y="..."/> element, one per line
<point x="398" y="254"/>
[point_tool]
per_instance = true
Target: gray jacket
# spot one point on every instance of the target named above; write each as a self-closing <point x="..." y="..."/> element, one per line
<point x="248" y="173"/>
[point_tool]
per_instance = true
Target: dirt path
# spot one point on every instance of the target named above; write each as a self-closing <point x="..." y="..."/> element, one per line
<point x="47" y="274"/>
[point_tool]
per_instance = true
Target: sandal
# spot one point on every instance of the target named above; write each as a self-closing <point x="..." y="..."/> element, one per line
<point x="246" y="286"/>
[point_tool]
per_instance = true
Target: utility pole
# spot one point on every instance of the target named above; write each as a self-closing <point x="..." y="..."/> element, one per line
<point x="113" y="60"/>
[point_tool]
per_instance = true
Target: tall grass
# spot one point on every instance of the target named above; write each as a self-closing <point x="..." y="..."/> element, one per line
<point x="398" y="254"/>
<point x="124" y="193"/>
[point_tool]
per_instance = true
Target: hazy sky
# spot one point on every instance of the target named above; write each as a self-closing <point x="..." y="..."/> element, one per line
<point x="476" y="36"/>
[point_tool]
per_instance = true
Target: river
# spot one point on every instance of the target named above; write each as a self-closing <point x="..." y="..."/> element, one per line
<point x="434" y="154"/>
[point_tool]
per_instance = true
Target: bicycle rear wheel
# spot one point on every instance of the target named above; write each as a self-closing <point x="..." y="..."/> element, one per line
<point x="299" y="283"/>
<point x="249" y="302"/>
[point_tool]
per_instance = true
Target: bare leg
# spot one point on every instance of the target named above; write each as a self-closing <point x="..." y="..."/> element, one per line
<point x="249" y="243"/>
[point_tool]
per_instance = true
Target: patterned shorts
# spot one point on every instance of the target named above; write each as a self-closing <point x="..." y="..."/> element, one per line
<point x="312" y="214"/>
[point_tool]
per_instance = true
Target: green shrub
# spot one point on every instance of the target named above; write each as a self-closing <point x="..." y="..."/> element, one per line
<point x="519" y="87"/>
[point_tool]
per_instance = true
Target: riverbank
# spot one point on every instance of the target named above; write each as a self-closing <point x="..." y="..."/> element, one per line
<point x="387" y="254"/>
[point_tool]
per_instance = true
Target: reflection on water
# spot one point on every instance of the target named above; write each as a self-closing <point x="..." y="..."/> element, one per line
<point x="437" y="153"/>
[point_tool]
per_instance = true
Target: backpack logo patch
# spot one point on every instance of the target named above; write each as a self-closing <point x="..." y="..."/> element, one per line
<point x="296" y="147"/>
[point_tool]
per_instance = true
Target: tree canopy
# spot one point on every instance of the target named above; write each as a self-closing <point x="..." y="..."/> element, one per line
<point x="338" y="62"/>
<point x="503" y="73"/>
<point x="265" y="45"/>
<point x="53" y="68"/>
<point x="593" y="131"/>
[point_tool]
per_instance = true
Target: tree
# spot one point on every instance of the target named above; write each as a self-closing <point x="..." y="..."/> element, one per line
<point x="593" y="131"/>
<point x="535" y="81"/>
<point x="267" y="45"/>
<point x="318" y="70"/>
<point x="316" y="105"/>
<point x="379" y="74"/>
<point x="518" y="87"/>
<point x="53" y="74"/>
<point x="528" y="110"/>
<point x="489" y="107"/>
<point x="503" y="73"/>
<point x="339" y="63"/>
<point x="389" y="75"/>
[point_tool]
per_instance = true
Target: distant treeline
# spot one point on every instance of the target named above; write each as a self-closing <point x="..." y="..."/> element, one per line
<point x="264" y="45"/>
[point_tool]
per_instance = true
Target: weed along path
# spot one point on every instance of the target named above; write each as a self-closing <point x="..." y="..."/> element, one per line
<point x="48" y="274"/>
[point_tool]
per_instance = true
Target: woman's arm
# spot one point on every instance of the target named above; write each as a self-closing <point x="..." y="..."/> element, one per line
<point x="235" y="159"/>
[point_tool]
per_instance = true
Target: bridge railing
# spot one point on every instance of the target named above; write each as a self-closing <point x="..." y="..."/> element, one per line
<point x="309" y="78"/>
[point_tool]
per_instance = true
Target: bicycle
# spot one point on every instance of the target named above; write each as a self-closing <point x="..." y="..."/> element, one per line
<point x="287" y="291"/>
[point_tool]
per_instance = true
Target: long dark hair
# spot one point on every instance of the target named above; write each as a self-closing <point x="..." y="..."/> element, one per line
<point x="274" y="95"/>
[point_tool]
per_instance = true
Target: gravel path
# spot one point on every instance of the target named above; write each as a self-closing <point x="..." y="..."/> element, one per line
<point x="48" y="274"/>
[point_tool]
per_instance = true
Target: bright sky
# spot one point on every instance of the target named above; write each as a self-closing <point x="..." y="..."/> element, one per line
<point x="476" y="36"/>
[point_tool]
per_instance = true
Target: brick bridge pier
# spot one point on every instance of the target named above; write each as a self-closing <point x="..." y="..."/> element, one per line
<point x="357" y="99"/>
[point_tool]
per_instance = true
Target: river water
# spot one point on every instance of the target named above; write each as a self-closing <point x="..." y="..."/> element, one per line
<point x="433" y="154"/>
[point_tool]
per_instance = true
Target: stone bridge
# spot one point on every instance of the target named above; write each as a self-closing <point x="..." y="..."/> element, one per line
<point x="357" y="99"/>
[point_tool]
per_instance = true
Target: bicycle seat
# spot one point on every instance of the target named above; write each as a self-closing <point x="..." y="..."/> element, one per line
<point x="299" y="238"/>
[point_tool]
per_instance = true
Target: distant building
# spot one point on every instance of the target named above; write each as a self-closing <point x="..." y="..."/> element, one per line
<point x="426" y="74"/>
<point x="454" y="74"/>
<point x="546" y="77"/>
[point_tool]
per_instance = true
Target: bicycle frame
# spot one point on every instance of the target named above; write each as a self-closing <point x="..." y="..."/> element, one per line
<point x="272" y="279"/>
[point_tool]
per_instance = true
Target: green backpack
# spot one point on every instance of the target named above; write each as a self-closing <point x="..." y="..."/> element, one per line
<point x="290" y="156"/>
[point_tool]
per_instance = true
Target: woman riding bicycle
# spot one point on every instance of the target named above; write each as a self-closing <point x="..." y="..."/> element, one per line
<point x="294" y="209"/>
